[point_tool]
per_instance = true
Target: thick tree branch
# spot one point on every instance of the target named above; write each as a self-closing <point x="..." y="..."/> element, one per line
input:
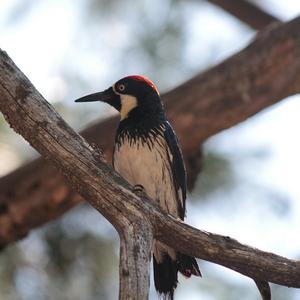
<point x="247" y="12"/>
<point x="85" y="169"/>
<point x="262" y="74"/>
<point x="135" y="256"/>
<point x="33" y="117"/>
<point x="228" y="252"/>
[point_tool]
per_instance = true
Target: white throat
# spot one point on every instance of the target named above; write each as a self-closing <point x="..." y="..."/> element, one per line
<point x="128" y="103"/>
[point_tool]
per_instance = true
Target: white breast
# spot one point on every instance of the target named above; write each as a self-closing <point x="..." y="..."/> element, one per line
<point x="149" y="166"/>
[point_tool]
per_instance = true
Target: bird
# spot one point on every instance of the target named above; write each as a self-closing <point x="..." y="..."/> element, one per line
<point x="147" y="154"/>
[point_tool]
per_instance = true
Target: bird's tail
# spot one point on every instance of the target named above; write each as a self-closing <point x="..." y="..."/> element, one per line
<point x="187" y="265"/>
<point x="165" y="273"/>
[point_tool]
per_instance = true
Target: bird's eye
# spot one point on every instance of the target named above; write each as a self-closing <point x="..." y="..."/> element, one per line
<point x="121" y="87"/>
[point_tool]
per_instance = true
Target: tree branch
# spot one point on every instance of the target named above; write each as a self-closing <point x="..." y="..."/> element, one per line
<point x="140" y="219"/>
<point x="247" y="12"/>
<point x="135" y="257"/>
<point x="260" y="75"/>
<point x="228" y="252"/>
<point x="33" y="117"/>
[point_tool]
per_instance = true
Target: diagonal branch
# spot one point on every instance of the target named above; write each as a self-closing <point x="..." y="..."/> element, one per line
<point x="262" y="74"/>
<point x="247" y="12"/>
<point x="135" y="219"/>
<point x="85" y="169"/>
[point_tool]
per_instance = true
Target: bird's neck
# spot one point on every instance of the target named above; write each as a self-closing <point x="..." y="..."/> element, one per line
<point x="141" y="123"/>
<point x="148" y="114"/>
<point x="139" y="119"/>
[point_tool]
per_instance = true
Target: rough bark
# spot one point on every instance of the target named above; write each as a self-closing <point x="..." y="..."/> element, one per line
<point x="247" y="12"/>
<point x="260" y="75"/>
<point x="135" y="256"/>
<point x="137" y="220"/>
<point x="85" y="169"/>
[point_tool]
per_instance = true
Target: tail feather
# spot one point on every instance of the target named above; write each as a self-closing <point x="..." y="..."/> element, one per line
<point x="165" y="277"/>
<point x="187" y="265"/>
<point x="166" y="273"/>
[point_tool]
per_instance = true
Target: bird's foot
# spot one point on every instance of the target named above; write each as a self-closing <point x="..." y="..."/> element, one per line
<point x="139" y="190"/>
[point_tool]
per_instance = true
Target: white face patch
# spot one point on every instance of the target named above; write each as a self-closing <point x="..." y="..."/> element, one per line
<point x="128" y="103"/>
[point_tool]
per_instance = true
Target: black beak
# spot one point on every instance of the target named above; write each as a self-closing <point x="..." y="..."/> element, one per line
<point x="105" y="96"/>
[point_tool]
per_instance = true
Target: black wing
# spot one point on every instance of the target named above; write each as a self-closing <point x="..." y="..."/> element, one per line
<point x="178" y="169"/>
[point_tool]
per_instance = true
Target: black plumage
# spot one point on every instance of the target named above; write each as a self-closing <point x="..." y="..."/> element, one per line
<point x="148" y="156"/>
<point x="177" y="166"/>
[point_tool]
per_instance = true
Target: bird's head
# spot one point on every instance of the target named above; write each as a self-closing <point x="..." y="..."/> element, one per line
<point x="130" y="94"/>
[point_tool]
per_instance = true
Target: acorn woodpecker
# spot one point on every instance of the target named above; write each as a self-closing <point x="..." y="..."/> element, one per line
<point x="148" y="156"/>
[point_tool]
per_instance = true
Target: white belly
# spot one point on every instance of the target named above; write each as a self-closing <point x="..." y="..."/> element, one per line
<point x="149" y="166"/>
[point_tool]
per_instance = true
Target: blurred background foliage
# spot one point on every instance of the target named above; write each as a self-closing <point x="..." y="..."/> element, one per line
<point x="248" y="188"/>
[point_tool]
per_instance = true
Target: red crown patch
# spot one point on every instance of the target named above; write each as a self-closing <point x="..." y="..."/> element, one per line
<point x="145" y="79"/>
